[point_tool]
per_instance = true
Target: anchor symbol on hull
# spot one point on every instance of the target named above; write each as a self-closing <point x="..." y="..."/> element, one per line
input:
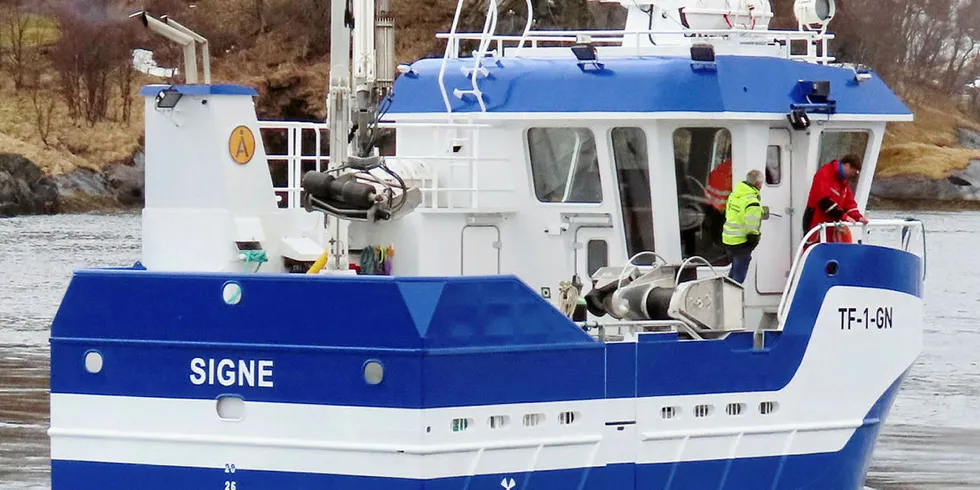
<point x="508" y="484"/>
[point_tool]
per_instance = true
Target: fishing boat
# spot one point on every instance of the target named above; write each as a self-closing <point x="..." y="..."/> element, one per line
<point x="504" y="272"/>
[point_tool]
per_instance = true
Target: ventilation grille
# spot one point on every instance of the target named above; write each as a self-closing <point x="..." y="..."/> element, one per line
<point x="498" y="421"/>
<point x="766" y="408"/>
<point x="735" y="409"/>
<point x="703" y="410"/>
<point x="461" y="424"/>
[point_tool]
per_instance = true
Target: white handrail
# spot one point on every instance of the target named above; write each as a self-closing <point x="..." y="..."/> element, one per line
<point x="820" y="230"/>
<point x="489" y="27"/>
<point x="450" y="47"/>
<point x="571" y="35"/>
<point x="434" y="165"/>
<point x="527" y="25"/>
<point x="616" y="38"/>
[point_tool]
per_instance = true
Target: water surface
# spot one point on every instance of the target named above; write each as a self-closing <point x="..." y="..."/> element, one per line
<point x="931" y="440"/>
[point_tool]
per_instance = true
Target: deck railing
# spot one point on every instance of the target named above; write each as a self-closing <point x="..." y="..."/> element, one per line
<point x="809" y="46"/>
<point x="449" y="182"/>
<point x="860" y="234"/>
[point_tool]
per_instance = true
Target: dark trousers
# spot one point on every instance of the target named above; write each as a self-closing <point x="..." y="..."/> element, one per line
<point x="741" y="256"/>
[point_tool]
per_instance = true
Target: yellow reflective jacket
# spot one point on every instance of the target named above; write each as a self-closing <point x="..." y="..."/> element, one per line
<point x="743" y="215"/>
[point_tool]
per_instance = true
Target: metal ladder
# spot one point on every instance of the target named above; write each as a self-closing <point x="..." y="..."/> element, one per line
<point x="478" y="68"/>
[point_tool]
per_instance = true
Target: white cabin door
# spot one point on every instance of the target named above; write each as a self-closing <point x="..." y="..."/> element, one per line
<point x="774" y="255"/>
<point x="480" y="251"/>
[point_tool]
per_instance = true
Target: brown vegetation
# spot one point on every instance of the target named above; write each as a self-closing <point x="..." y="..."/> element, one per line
<point x="68" y="90"/>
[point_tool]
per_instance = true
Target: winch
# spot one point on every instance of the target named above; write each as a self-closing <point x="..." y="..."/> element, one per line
<point x="667" y="292"/>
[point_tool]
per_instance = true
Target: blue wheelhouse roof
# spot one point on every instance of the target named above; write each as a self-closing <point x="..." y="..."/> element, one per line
<point x="738" y="84"/>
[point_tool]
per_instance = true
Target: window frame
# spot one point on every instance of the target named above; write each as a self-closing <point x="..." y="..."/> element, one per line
<point x="672" y="130"/>
<point x="529" y="165"/>
<point x="617" y="185"/>
<point x="779" y="156"/>
<point x="856" y="184"/>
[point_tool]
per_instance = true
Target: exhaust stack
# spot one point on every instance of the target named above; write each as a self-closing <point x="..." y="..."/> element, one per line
<point x="186" y="38"/>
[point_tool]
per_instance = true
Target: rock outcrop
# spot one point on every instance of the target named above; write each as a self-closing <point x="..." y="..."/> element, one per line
<point x="119" y="185"/>
<point x="959" y="185"/>
<point x="24" y="188"/>
<point x="125" y="180"/>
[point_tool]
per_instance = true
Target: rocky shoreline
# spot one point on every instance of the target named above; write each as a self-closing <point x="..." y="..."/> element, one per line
<point x="960" y="189"/>
<point x="26" y="189"/>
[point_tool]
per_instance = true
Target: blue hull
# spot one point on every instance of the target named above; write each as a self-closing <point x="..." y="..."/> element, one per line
<point x="448" y="342"/>
<point x="843" y="470"/>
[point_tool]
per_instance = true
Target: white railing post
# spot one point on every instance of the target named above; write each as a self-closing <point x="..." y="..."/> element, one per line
<point x="474" y="163"/>
<point x="290" y="165"/>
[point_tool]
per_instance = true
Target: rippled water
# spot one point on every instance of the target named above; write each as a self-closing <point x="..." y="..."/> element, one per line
<point x="931" y="441"/>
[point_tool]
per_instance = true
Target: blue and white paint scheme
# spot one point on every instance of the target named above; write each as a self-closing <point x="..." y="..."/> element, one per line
<point x="524" y="178"/>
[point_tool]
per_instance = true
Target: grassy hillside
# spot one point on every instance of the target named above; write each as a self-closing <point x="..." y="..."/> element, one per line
<point x="928" y="145"/>
<point x="283" y="53"/>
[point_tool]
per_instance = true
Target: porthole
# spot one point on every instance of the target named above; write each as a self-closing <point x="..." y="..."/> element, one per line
<point x="93" y="361"/>
<point x="374" y="372"/>
<point x="231" y="293"/>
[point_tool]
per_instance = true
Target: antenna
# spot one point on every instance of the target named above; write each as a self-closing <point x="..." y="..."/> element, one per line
<point x="183" y="36"/>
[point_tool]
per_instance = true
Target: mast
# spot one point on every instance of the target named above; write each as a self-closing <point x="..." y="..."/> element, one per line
<point x="338" y="99"/>
<point x="370" y="79"/>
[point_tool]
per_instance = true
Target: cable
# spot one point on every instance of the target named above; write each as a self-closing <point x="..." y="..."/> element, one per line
<point x="622" y="274"/>
<point x="649" y="13"/>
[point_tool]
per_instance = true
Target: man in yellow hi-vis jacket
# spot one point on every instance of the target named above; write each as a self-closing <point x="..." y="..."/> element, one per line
<point x="743" y="221"/>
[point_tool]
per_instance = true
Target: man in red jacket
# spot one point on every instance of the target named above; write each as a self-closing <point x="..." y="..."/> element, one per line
<point x="831" y="198"/>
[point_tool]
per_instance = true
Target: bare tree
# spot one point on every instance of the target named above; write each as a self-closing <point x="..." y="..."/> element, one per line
<point x="259" y="16"/>
<point x="88" y="57"/>
<point x="15" y="23"/>
<point x="43" y="106"/>
<point x="43" y="110"/>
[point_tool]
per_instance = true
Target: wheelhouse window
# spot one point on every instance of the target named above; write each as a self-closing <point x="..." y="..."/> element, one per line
<point x="774" y="166"/>
<point x="836" y="144"/>
<point x="564" y="165"/>
<point x="702" y="163"/>
<point x="633" y="175"/>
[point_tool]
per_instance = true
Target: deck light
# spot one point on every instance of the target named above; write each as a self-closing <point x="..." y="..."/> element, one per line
<point x="799" y="119"/>
<point x="407" y="70"/>
<point x="585" y="50"/>
<point x="817" y="91"/>
<point x="814" y="14"/>
<point x="168" y="98"/>
<point x="703" y="53"/>
<point x="862" y="73"/>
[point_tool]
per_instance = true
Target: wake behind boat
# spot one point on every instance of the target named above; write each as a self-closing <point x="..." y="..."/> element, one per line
<point x="531" y="293"/>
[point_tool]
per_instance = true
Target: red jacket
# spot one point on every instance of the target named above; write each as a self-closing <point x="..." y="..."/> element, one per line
<point x="830" y="198"/>
<point x="719" y="185"/>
